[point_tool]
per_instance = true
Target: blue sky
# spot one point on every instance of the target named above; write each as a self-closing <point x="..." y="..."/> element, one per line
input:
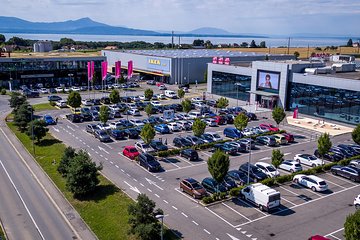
<point x="283" y="17"/>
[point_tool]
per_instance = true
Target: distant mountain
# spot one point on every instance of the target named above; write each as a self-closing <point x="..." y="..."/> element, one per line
<point x="210" y="30"/>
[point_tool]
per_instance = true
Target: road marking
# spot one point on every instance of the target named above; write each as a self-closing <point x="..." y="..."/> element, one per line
<point x="116" y="166"/>
<point x="111" y="162"/>
<point x="264" y="158"/>
<point x="135" y="179"/>
<point x="236" y="211"/>
<point x="22" y="201"/>
<point x="340" y="178"/>
<point x="334" y="183"/>
<point x="205" y="153"/>
<point x="135" y="189"/>
<point x="195" y="223"/>
<point x="207" y="231"/>
<point x="76" y="138"/>
<point x="70" y="128"/>
<point x="289" y="191"/>
<point x="288" y="201"/>
<point x="55" y="129"/>
<point x="195" y="165"/>
<point x="185" y="160"/>
<point x="107" y="146"/>
<point x="309" y="190"/>
<point x="102" y="149"/>
<point x="174" y="207"/>
<point x="157" y="195"/>
<point x="285" y="154"/>
<point x="128" y="174"/>
<point x="219" y="217"/>
<point x="149" y="190"/>
<point x="101" y="155"/>
<point x="186" y="195"/>
<point x="96" y="152"/>
<point x="253" y="207"/>
<point x="334" y="232"/>
<point x="164" y="200"/>
<point x="122" y="170"/>
<point x="167" y="161"/>
<point x="153" y="183"/>
<point x="142" y="185"/>
<point x="106" y="159"/>
<point x="184" y="214"/>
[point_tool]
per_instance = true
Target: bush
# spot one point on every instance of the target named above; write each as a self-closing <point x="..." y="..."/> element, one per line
<point x="235" y="192"/>
<point x="208" y="199"/>
<point x="222" y="195"/>
<point x="3" y="91"/>
<point x="284" y="178"/>
<point x="269" y="182"/>
<point x="52" y="103"/>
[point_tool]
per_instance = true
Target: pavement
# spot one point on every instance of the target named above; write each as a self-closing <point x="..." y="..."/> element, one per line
<point x="31" y="207"/>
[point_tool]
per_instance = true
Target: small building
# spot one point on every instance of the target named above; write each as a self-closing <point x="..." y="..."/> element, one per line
<point x="111" y="48"/>
<point x="43" y="46"/>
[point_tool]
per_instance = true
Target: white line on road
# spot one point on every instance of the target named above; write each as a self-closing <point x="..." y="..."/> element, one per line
<point x="264" y="158"/>
<point x="174" y="207"/>
<point x="142" y="185"/>
<point x="135" y="179"/>
<point x="164" y="200"/>
<point x="149" y="190"/>
<point x="157" y="195"/>
<point x="116" y="166"/>
<point x="253" y="207"/>
<point x="122" y="170"/>
<point x="128" y="174"/>
<point x="285" y="154"/>
<point x="342" y="179"/>
<point x="334" y="232"/>
<point x="236" y="211"/>
<point x="334" y="183"/>
<point x="184" y="214"/>
<point x="195" y="223"/>
<point x="111" y="162"/>
<point x="219" y="217"/>
<point x="106" y="159"/>
<point x="289" y="191"/>
<point x="153" y="183"/>
<point x="107" y="146"/>
<point x="288" y="201"/>
<point x="207" y="231"/>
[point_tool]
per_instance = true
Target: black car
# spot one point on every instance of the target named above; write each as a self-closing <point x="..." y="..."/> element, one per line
<point x="342" y="151"/>
<point x="254" y="171"/>
<point x="132" y="133"/>
<point x="207" y="138"/>
<point x="229" y="183"/>
<point x="122" y="106"/>
<point x="149" y="162"/>
<point x="75" y="118"/>
<point x="105" y="100"/>
<point x="96" y="101"/>
<point x="95" y="109"/>
<point x="102" y="135"/>
<point x="91" y="128"/>
<point x="125" y="123"/>
<point x="190" y="154"/>
<point x="115" y="114"/>
<point x="350" y="148"/>
<point x="184" y="85"/>
<point x="212" y="186"/>
<point x="126" y="99"/>
<point x="176" y="107"/>
<point x="229" y="118"/>
<point x="95" y="116"/>
<point x="349" y="172"/>
<point x="239" y="177"/>
<point x="266" y="140"/>
<point x="231" y="150"/>
<point x="330" y="156"/>
<point x="117" y="134"/>
<point x="181" y="142"/>
<point x="158" y="145"/>
<point x="251" y="116"/>
<point x="31" y="93"/>
<point x="54" y="98"/>
<point x="86" y="114"/>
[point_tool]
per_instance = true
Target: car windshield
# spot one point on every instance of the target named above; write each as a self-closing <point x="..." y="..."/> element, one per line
<point x="312" y="158"/>
<point x="196" y="185"/>
<point x="216" y="135"/>
<point x="270" y="168"/>
<point x="145" y="146"/>
<point x="132" y="150"/>
<point x="322" y="183"/>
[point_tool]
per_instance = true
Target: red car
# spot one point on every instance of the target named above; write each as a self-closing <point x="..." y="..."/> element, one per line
<point x="220" y="120"/>
<point x="130" y="152"/>
<point x="289" y="137"/>
<point x="270" y="127"/>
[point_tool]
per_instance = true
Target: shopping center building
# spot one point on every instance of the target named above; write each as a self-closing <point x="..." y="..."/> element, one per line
<point x="181" y="65"/>
<point x="328" y="89"/>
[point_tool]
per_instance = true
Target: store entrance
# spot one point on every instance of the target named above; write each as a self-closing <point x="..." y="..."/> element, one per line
<point x="267" y="101"/>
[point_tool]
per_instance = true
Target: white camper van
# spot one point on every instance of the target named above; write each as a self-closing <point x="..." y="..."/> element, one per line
<point x="170" y="94"/>
<point x="262" y="196"/>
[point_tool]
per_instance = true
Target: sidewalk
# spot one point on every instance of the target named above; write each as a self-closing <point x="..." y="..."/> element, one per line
<point x="70" y="215"/>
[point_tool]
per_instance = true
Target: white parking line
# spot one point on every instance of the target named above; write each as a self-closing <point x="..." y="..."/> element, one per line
<point x="185" y="160"/>
<point x="184" y="214"/>
<point x="167" y="161"/>
<point x="219" y="217"/>
<point x="207" y="231"/>
<point x="288" y="201"/>
<point x="174" y="207"/>
<point x="340" y="178"/>
<point x="165" y="201"/>
<point x="326" y="180"/>
<point x="149" y="190"/>
<point x="195" y="223"/>
<point x="253" y="207"/>
<point x="195" y="165"/>
<point x="288" y="191"/>
<point x="331" y="234"/>
<point x="157" y="195"/>
<point x="309" y="190"/>
<point x="236" y="211"/>
<point x="186" y="195"/>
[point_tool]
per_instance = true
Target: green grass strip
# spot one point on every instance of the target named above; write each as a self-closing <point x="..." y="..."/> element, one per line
<point x="43" y="107"/>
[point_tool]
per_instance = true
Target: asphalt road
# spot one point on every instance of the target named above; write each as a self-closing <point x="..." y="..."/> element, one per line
<point x="26" y="212"/>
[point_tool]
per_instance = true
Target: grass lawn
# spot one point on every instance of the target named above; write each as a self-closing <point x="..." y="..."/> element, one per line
<point x="43" y="107"/>
<point x="2" y="235"/>
<point x="105" y="212"/>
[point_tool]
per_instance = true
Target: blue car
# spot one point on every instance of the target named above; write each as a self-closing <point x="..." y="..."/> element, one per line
<point x="162" y="128"/>
<point x="49" y="120"/>
<point x="232" y="133"/>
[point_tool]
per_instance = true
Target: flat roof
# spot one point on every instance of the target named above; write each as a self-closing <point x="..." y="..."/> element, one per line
<point x="347" y="75"/>
<point x="53" y="54"/>
<point x="191" y="53"/>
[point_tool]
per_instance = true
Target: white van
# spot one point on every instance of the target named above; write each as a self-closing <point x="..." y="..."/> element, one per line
<point x="262" y="196"/>
<point x="170" y="94"/>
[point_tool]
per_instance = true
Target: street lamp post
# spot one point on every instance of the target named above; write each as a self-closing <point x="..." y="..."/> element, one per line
<point x="162" y="224"/>
<point x="248" y="173"/>
<point x="70" y="76"/>
<point x="237" y="94"/>
<point x="32" y="129"/>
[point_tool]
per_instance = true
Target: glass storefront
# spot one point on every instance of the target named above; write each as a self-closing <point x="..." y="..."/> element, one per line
<point x="231" y="85"/>
<point x="337" y="104"/>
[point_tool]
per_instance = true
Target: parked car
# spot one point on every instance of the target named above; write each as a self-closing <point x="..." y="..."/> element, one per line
<point x="206" y="138"/>
<point x="355" y="163"/>
<point x="143" y="147"/>
<point x="291" y="166"/>
<point x="190" y="154"/>
<point x="268" y="169"/>
<point x="136" y="122"/>
<point x="348" y="172"/>
<point x="173" y="127"/>
<point x="220" y="120"/>
<point x="54" y="98"/>
<point x="181" y="142"/>
<point x="184" y="125"/>
<point x="132" y="133"/>
<point x="270" y="127"/>
<point x="330" y="156"/>
<point x="61" y="104"/>
<point x="193" y="188"/>
<point x="158" y="145"/>
<point x="357" y="202"/>
<point x="232" y="133"/>
<point x="162" y="128"/>
<point x="91" y="128"/>
<point x="130" y="152"/>
<point x="308" y="159"/>
<point x="210" y="122"/>
<point x="266" y="140"/>
<point x="49" y="120"/>
<point x="238" y="145"/>
<point x="228" y="149"/>
<point x="229" y="183"/>
<point x="215" y="136"/>
<point x="102" y="135"/>
<point x="105" y="100"/>
<point x="262" y="196"/>
<point x="75" y="118"/>
<point x="280" y="139"/>
<point x="315" y="183"/>
<point x="194" y="140"/>
<point x="104" y="126"/>
<point x="149" y="162"/>
<point x="254" y="171"/>
<point x="289" y="137"/>
<point x="212" y="186"/>
<point x="117" y="134"/>
<point x="248" y="142"/>
<point x="350" y="148"/>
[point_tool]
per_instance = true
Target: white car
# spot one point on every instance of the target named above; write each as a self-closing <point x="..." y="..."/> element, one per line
<point x="308" y="159"/>
<point x="75" y="89"/>
<point x="115" y="125"/>
<point x="290" y="166"/>
<point x="247" y="132"/>
<point x="131" y="105"/>
<point x="43" y="91"/>
<point x="87" y="102"/>
<point x="61" y="103"/>
<point x="114" y="107"/>
<point x="315" y="183"/>
<point x="134" y="112"/>
<point x="215" y="136"/>
<point x="174" y="127"/>
<point x="194" y="115"/>
<point x="211" y="122"/>
<point x="142" y="97"/>
<point x="116" y="86"/>
<point x="162" y="97"/>
<point x="199" y="104"/>
<point x="59" y="89"/>
<point x="156" y="103"/>
<point x="137" y="122"/>
<point x="196" y="99"/>
<point x="162" y="87"/>
<point x="103" y="126"/>
<point x="355" y="163"/>
<point x="357" y="202"/>
<point x="135" y="98"/>
<point x="184" y="125"/>
<point x="143" y="147"/>
<point x="268" y="169"/>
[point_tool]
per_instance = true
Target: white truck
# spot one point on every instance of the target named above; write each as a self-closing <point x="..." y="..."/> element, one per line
<point x="170" y="94"/>
<point x="262" y="196"/>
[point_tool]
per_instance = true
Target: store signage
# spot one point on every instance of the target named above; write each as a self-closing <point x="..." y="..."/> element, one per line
<point x="227" y="61"/>
<point x="220" y="60"/>
<point x="215" y="60"/>
<point x="159" y="64"/>
<point x="37" y="76"/>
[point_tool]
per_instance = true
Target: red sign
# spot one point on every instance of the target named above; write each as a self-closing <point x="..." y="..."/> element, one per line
<point x="227" y="61"/>
<point x="215" y="60"/>
<point x="221" y="60"/>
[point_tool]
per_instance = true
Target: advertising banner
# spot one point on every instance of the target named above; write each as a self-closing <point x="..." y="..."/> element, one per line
<point x="220" y="60"/>
<point x="130" y="69"/>
<point x="103" y="70"/>
<point x="89" y="70"/>
<point x="227" y="61"/>
<point x="117" y="69"/>
<point x="159" y="64"/>
<point x="215" y="60"/>
<point x="92" y="70"/>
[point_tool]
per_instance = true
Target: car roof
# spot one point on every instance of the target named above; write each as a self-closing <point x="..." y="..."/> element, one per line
<point x="190" y="180"/>
<point x="263" y="164"/>
<point x="129" y="147"/>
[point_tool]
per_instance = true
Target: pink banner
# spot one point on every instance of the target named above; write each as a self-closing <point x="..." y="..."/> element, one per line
<point x="220" y="60"/>
<point x="89" y="71"/>
<point x="92" y="70"/>
<point x="215" y="60"/>
<point x="296" y="112"/>
<point x="130" y="69"/>
<point x="117" y="69"/>
<point x="227" y="61"/>
<point x="103" y="70"/>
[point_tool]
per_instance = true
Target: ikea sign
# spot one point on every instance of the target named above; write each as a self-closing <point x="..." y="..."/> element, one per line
<point x="158" y="64"/>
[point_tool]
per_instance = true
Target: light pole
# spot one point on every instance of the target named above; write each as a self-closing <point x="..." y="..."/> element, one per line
<point x="70" y="76"/>
<point x="162" y="224"/>
<point x="237" y="93"/>
<point x="248" y="173"/>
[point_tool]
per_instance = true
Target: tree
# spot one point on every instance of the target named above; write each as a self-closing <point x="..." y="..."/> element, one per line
<point x="198" y="42"/>
<point x="104" y="114"/>
<point x="147" y="133"/>
<point x="74" y="100"/>
<point x="262" y="44"/>
<point x="16" y="100"/>
<point x="2" y="39"/>
<point x="352" y="226"/>
<point x="324" y="144"/>
<point x="149" y="110"/>
<point x="186" y="104"/>
<point x="142" y="218"/>
<point x="278" y="114"/>
<point x="37" y="130"/>
<point x="218" y="165"/>
<point x="277" y="157"/>
<point x="17" y="41"/>
<point x="181" y="93"/>
<point x="198" y="127"/>
<point x="82" y="176"/>
<point x="208" y="44"/>
<point x="244" y="45"/>
<point x="253" y="44"/>
<point x="148" y="94"/>
<point x="349" y="43"/>
<point x="222" y="102"/>
<point x="67" y="42"/>
<point x="296" y="54"/>
<point x="356" y="134"/>
<point x="114" y="96"/>
<point x="22" y="116"/>
<point x="241" y="121"/>
<point x="65" y="161"/>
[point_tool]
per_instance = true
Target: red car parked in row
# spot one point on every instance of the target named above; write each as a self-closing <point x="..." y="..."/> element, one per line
<point x="289" y="137"/>
<point x="130" y="152"/>
<point x="269" y="126"/>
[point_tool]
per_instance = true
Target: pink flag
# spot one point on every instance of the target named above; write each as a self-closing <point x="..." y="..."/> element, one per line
<point x="296" y="112"/>
<point x="104" y="70"/>
<point x="117" y="70"/>
<point x="130" y="69"/>
<point x="92" y="70"/>
<point x="227" y="61"/>
<point x="221" y="60"/>
<point x="215" y="60"/>
<point x="89" y="71"/>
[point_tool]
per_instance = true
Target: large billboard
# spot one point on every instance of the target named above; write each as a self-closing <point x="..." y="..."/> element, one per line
<point x="159" y="64"/>
<point x="267" y="80"/>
